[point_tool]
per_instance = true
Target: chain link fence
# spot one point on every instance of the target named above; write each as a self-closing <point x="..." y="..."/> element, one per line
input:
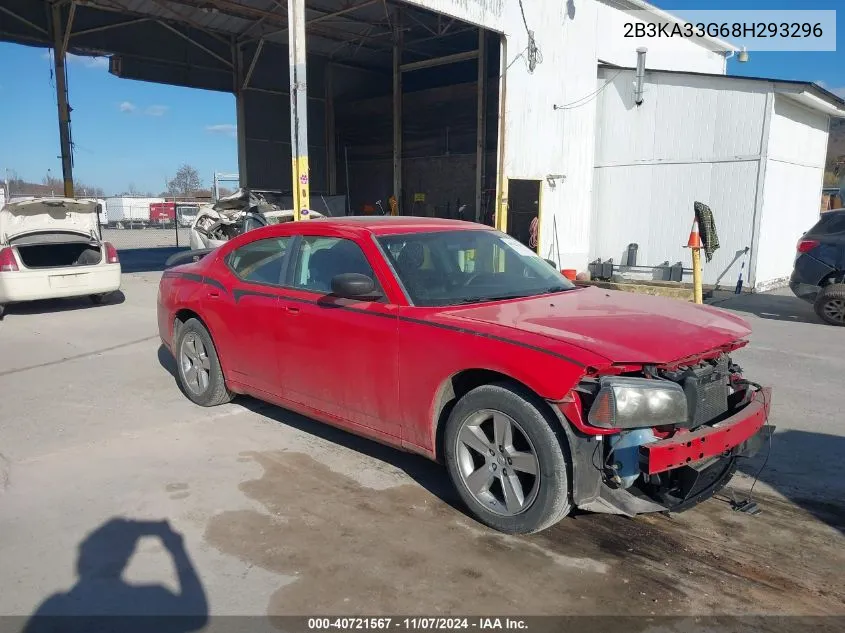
<point x="147" y="230"/>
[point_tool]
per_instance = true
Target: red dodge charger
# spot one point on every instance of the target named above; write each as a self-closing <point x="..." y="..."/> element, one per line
<point x="453" y="340"/>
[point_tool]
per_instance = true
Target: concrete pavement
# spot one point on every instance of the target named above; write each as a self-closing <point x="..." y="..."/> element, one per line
<point x="279" y="514"/>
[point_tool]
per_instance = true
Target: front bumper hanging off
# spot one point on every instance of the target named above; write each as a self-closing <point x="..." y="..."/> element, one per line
<point x="741" y="431"/>
<point x="700" y="463"/>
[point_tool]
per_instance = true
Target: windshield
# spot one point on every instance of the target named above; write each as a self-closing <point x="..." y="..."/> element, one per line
<point x="454" y="267"/>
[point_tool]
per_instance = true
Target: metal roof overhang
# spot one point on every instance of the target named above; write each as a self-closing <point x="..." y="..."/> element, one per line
<point x="196" y="42"/>
<point x="807" y="93"/>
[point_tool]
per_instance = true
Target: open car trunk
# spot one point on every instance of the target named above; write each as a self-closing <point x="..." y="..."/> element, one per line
<point x="58" y="250"/>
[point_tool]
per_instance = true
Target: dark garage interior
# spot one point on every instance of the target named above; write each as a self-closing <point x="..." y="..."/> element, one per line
<point x="366" y="60"/>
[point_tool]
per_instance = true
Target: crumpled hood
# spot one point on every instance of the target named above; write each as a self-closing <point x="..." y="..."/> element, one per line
<point x="620" y="326"/>
<point x="48" y="214"/>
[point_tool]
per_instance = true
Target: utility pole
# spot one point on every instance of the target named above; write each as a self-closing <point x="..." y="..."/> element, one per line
<point x="59" y="49"/>
<point x="300" y="183"/>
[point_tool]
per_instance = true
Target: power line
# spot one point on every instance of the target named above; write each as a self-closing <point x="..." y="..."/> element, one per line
<point x="587" y="98"/>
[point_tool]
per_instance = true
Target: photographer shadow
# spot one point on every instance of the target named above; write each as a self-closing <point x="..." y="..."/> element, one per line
<point x="101" y="600"/>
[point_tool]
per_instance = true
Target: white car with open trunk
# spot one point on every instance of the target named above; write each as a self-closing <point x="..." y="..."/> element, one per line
<point x="51" y="248"/>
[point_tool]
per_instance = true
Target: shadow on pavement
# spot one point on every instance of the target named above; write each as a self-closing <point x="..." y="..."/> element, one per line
<point x="778" y="307"/>
<point x="142" y="260"/>
<point x="426" y="473"/>
<point x="796" y="455"/>
<point x="101" y="599"/>
<point x="63" y="305"/>
<point x="431" y="476"/>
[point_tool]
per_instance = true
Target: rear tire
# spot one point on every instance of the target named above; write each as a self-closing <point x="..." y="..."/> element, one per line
<point x="198" y="366"/>
<point x="495" y="437"/>
<point x="830" y="304"/>
<point x="101" y="298"/>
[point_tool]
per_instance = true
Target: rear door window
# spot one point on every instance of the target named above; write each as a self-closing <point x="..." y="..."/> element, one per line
<point x="322" y="258"/>
<point x="262" y="261"/>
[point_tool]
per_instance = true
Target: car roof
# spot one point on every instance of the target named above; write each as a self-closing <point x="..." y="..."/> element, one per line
<point x="393" y="225"/>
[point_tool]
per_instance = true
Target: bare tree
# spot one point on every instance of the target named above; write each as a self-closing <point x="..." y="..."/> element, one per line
<point x="186" y="182"/>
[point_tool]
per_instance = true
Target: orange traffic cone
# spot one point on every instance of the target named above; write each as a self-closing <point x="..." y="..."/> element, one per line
<point x="694" y="240"/>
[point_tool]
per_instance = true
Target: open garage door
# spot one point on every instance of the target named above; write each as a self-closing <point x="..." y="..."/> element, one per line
<point x="401" y="101"/>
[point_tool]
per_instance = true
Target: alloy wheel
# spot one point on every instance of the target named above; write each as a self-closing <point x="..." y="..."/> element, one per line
<point x="497" y="462"/>
<point x="196" y="367"/>
<point x="834" y="309"/>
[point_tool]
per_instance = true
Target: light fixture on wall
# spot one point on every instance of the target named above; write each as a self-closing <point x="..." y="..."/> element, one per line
<point x="552" y="179"/>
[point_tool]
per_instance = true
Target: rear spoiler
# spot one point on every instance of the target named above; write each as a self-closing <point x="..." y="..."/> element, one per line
<point x="186" y="257"/>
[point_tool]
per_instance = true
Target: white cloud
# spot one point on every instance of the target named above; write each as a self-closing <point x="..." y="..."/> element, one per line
<point x="83" y="60"/>
<point x="88" y="62"/>
<point x="156" y="110"/>
<point x="127" y="106"/>
<point x="226" y="129"/>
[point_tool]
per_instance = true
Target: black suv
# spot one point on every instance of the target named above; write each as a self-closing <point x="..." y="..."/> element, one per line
<point x="819" y="273"/>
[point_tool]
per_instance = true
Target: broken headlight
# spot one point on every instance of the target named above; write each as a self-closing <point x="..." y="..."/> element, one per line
<point x="630" y="403"/>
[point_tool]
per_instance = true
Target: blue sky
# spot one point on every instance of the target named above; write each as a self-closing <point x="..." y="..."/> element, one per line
<point x="135" y="133"/>
<point x="125" y="132"/>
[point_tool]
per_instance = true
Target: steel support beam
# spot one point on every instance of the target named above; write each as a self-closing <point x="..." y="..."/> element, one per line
<point x="240" y="115"/>
<point x="69" y="27"/>
<point x="31" y="25"/>
<point x="331" y="140"/>
<point x="298" y="107"/>
<point x="480" y="113"/>
<point x="61" y="100"/>
<point x="252" y="64"/>
<point x="107" y="27"/>
<point x="397" y="107"/>
<point x="501" y="212"/>
<point x="439" y="61"/>
<point x="187" y="38"/>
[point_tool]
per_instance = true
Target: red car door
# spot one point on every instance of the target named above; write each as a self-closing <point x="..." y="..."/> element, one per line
<point x="338" y="356"/>
<point x="245" y="320"/>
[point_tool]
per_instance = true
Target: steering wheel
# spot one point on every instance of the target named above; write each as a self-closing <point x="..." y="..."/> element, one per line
<point x="471" y="279"/>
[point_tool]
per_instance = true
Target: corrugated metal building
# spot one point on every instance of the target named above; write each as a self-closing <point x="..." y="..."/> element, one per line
<point x="751" y="149"/>
<point x="488" y="108"/>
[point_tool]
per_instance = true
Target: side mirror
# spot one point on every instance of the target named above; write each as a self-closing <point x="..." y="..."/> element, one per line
<point x="551" y="263"/>
<point x="354" y="286"/>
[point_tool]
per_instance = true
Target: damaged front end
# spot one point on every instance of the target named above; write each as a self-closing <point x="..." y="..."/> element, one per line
<point x="238" y="213"/>
<point x="658" y="438"/>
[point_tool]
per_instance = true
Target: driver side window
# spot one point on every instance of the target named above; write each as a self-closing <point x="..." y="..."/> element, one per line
<point x="322" y="258"/>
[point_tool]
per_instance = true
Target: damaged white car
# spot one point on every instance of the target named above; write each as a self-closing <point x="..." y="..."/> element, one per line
<point x="51" y="248"/>
<point x="238" y="213"/>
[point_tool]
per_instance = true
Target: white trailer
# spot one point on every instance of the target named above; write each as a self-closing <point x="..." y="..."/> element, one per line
<point x="128" y="212"/>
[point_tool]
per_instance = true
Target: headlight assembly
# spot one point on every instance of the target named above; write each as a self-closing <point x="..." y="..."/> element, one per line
<point x="629" y="403"/>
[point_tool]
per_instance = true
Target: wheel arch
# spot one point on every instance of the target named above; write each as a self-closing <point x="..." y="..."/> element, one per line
<point x="182" y="316"/>
<point x="462" y="382"/>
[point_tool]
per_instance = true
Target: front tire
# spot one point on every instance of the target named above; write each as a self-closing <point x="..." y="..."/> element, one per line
<point x="507" y="459"/>
<point x="830" y="305"/>
<point x="198" y="366"/>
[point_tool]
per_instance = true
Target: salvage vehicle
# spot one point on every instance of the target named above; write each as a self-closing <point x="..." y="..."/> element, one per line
<point x="51" y="248"/>
<point x="818" y="276"/>
<point x="242" y="211"/>
<point x="455" y="341"/>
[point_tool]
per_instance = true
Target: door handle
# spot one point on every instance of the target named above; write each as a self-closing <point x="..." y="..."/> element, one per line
<point x="213" y="294"/>
<point x="293" y="309"/>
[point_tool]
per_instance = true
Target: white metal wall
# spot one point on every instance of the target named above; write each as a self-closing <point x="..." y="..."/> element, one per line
<point x="674" y="53"/>
<point x="690" y="140"/>
<point x="794" y="172"/>
<point x="542" y="141"/>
